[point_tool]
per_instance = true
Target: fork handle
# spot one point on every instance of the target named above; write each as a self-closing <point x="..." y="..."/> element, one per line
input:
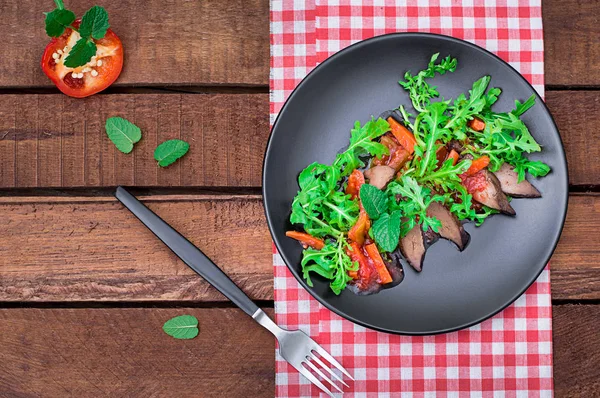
<point x="187" y="252"/>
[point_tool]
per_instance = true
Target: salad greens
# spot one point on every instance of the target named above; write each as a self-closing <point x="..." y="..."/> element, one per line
<point x="325" y="209"/>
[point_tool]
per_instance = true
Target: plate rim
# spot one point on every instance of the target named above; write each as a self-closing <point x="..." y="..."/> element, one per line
<point x="413" y="35"/>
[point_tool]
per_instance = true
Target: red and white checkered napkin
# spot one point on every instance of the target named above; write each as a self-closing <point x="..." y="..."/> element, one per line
<point x="508" y="355"/>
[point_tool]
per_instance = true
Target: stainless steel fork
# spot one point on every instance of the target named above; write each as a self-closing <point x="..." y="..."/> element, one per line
<point x="302" y="352"/>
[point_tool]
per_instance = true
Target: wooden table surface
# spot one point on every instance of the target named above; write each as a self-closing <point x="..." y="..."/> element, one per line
<point x="85" y="288"/>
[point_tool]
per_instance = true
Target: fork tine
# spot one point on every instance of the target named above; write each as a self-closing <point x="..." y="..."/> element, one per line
<point x="327" y="379"/>
<point x="314" y="380"/>
<point x="331" y="360"/>
<point x="331" y="372"/>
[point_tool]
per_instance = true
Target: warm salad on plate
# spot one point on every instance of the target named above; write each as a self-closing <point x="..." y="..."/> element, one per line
<point x="408" y="179"/>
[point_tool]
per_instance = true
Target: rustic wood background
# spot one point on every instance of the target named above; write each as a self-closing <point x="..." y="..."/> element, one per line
<point x="85" y="288"/>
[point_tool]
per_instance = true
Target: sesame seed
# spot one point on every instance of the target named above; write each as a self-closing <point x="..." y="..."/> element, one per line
<point x="80" y="75"/>
<point x="99" y="62"/>
<point x="94" y="72"/>
<point x="59" y="51"/>
<point x="87" y="69"/>
<point x="93" y="63"/>
<point x="55" y="56"/>
<point x="66" y="48"/>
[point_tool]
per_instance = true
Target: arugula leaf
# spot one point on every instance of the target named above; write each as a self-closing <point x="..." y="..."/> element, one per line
<point x="521" y="108"/>
<point x="491" y="97"/>
<point x="341" y="212"/>
<point x="447" y="177"/>
<point x="169" y="151"/>
<point x="81" y="53"/>
<point x="57" y="21"/>
<point x="331" y="262"/>
<point x="414" y="202"/>
<point x="386" y="230"/>
<point x="465" y="109"/>
<point x="362" y="144"/>
<point x="535" y="168"/>
<point x="428" y="142"/>
<point x="94" y="23"/>
<point x="182" y="327"/>
<point x="122" y="133"/>
<point x="419" y="91"/>
<point x="373" y="200"/>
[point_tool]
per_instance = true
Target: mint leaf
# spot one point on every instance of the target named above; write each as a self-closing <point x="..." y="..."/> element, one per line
<point x="169" y="151"/>
<point x="373" y="200"/>
<point x="57" y="21"/>
<point x="81" y="53"/>
<point x="182" y="327"/>
<point x="386" y="230"/>
<point x="122" y="133"/>
<point x="94" y="23"/>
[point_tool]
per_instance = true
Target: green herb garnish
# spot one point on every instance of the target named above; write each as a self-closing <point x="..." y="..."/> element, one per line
<point x="122" y="133"/>
<point x="325" y="211"/>
<point x="169" y="151"/>
<point x="182" y="327"/>
<point x="94" y="25"/>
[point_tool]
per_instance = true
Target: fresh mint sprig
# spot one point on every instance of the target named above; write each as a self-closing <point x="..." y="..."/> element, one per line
<point x="58" y="19"/>
<point x="93" y="26"/>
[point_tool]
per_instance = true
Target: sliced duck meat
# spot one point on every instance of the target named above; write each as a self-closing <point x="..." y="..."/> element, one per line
<point x="457" y="146"/>
<point x="509" y="184"/>
<point x="413" y="248"/>
<point x="379" y="176"/>
<point x="451" y="229"/>
<point x="485" y="188"/>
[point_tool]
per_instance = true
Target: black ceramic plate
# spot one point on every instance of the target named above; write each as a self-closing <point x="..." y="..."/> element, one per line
<point x="455" y="290"/>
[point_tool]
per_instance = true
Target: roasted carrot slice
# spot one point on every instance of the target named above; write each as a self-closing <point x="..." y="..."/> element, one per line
<point x="356" y="254"/>
<point x="355" y="181"/>
<point x="476" y="124"/>
<point x="384" y="274"/>
<point x="477" y="165"/>
<point x="359" y="231"/>
<point x="454" y="156"/>
<point x="403" y="135"/>
<point x="306" y="239"/>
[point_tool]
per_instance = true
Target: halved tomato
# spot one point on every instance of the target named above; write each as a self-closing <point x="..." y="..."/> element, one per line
<point x="88" y="79"/>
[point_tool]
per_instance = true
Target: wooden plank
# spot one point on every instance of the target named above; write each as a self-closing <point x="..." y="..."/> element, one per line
<point x="182" y="42"/>
<point x="571" y="42"/>
<point x="76" y="145"/>
<point x="576" y="114"/>
<point x="575" y="264"/>
<point x="41" y="149"/>
<point x="227" y="42"/>
<point x="576" y="350"/>
<point x="99" y="251"/>
<point x="125" y="353"/>
<point x="91" y="249"/>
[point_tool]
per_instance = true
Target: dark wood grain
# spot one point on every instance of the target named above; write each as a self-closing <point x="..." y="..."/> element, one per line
<point x="577" y="116"/>
<point x="576" y="350"/>
<point x="571" y="42"/>
<point x="68" y="146"/>
<point x="99" y="251"/>
<point x="124" y="353"/>
<point x="56" y="141"/>
<point x="91" y="249"/>
<point x="227" y="42"/>
<point x="179" y="42"/>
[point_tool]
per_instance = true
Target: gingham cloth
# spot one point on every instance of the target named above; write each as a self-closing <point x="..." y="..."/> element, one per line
<point x="509" y="355"/>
